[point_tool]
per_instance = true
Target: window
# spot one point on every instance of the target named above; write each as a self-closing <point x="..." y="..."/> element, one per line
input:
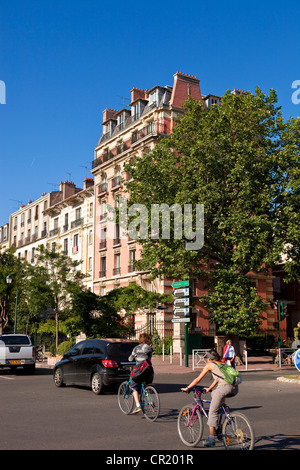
<point x="66" y="224"/>
<point x="117" y="263"/>
<point x="90" y="264"/>
<point x="78" y="213"/>
<point x="136" y="110"/>
<point x="56" y="222"/>
<point x="91" y="209"/>
<point x="102" y="290"/>
<point x="65" y="246"/>
<point x="36" y="212"/>
<point x="75" y="243"/>
<point x="132" y="257"/>
<point x="103" y="210"/>
<point x="102" y="267"/>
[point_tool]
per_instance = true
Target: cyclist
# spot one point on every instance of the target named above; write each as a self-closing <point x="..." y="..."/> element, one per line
<point x="141" y="352"/>
<point x="223" y="389"/>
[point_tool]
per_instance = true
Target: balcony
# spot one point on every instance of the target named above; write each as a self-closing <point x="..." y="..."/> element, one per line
<point x="75" y="249"/>
<point x="102" y="188"/>
<point x="55" y="231"/>
<point x="102" y="273"/>
<point x="76" y="223"/>
<point x="102" y="245"/>
<point x="116" y="182"/>
<point x="116" y="271"/>
<point x="131" y="268"/>
<point x="153" y="128"/>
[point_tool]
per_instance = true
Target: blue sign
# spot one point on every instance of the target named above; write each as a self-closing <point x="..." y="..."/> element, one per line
<point x="297" y="359"/>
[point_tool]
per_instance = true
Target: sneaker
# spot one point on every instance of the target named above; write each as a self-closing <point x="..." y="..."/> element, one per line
<point x="137" y="410"/>
<point x="209" y="443"/>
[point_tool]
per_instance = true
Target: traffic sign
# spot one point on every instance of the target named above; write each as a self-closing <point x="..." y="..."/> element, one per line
<point x="182" y="302"/>
<point x="181" y="311"/>
<point x="297" y="359"/>
<point x="180" y="284"/>
<point x="181" y="292"/>
<point x="181" y="320"/>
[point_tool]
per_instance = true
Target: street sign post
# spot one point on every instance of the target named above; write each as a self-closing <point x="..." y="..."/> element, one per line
<point x="297" y="360"/>
<point x="180" y="284"/>
<point x="180" y="320"/>
<point x="181" y="312"/>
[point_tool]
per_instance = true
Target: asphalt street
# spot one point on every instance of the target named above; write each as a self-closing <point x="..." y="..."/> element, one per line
<point x="36" y="415"/>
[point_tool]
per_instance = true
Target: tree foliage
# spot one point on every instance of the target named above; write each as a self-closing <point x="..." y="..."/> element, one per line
<point x="232" y="159"/>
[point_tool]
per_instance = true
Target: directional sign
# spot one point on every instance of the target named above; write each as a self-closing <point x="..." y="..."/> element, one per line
<point x="181" y="292"/>
<point x="182" y="302"/>
<point x="181" y="320"/>
<point x="181" y="311"/>
<point x="180" y="284"/>
<point x="297" y="359"/>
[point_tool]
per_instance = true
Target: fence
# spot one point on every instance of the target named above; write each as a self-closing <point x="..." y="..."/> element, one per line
<point x="286" y="356"/>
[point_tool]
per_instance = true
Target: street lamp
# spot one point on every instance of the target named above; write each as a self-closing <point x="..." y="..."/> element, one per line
<point x="9" y="281"/>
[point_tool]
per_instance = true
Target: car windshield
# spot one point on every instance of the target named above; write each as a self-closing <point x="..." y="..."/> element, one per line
<point x="14" y="340"/>
<point x="120" y="351"/>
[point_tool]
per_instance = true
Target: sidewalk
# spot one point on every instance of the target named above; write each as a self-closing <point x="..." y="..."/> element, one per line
<point x="254" y="364"/>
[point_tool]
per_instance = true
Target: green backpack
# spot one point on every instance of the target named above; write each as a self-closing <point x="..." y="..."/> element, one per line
<point x="231" y="375"/>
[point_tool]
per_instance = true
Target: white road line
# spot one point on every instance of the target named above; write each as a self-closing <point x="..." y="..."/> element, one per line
<point x="7" y="378"/>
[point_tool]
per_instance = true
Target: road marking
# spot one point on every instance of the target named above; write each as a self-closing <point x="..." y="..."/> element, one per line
<point x="7" y="378"/>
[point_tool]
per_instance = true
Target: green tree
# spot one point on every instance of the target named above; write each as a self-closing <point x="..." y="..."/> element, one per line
<point x="61" y="273"/>
<point x="228" y="158"/>
<point x="9" y="266"/>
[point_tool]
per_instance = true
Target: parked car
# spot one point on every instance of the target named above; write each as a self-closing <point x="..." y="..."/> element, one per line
<point x="96" y="363"/>
<point x="17" y="351"/>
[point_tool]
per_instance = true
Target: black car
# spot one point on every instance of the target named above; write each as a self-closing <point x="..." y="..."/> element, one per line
<point x="95" y="363"/>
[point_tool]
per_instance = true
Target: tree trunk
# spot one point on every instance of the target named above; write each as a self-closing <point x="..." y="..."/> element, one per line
<point x="57" y="328"/>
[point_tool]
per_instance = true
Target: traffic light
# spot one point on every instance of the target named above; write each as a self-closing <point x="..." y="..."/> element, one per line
<point x="282" y="311"/>
<point x="274" y="305"/>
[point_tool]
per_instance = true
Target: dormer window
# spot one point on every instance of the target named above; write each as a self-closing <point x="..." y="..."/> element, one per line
<point x="153" y="98"/>
<point x="122" y="121"/>
<point x="136" y="110"/>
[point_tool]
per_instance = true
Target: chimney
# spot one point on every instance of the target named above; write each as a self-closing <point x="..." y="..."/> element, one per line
<point x="67" y="188"/>
<point x="138" y="94"/>
<point x="109" y="114"/>
<point x="88" y="183"/>
<point x="185" y="86"/>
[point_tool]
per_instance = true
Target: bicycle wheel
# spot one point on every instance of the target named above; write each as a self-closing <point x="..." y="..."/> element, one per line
<point x="189" y="428"/>
<point x="150" y="403"/>
<point x="238" y="433"/>
<point x="125" y="397"/>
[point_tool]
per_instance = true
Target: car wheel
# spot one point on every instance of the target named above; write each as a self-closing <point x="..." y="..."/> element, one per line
<point x="58" y="377"/>
<point x="97" y="383"/>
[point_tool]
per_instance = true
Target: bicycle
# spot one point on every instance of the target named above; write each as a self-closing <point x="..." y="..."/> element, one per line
<point x="234" y="428"/>
<point x="149" y="400"/>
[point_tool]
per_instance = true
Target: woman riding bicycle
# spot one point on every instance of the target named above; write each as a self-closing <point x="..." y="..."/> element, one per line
<point x="140" y="353"/>
<point x="223" y="389"/>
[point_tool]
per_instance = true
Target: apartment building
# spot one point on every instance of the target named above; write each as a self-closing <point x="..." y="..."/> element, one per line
<point x="128" y="132"/>
<point x="71" y="225"/>
<point x="29" y="226"/>
<point x="4" y="237"/>
<point x="61" y="218"/>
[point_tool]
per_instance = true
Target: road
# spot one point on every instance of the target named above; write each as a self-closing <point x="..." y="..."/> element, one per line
<point x="37" y="415"/>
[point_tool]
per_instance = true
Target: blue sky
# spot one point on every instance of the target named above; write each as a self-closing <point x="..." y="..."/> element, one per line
<point x="64" y="62"/>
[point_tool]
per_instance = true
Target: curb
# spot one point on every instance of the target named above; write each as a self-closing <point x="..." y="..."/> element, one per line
<point x="288" y="380"/>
